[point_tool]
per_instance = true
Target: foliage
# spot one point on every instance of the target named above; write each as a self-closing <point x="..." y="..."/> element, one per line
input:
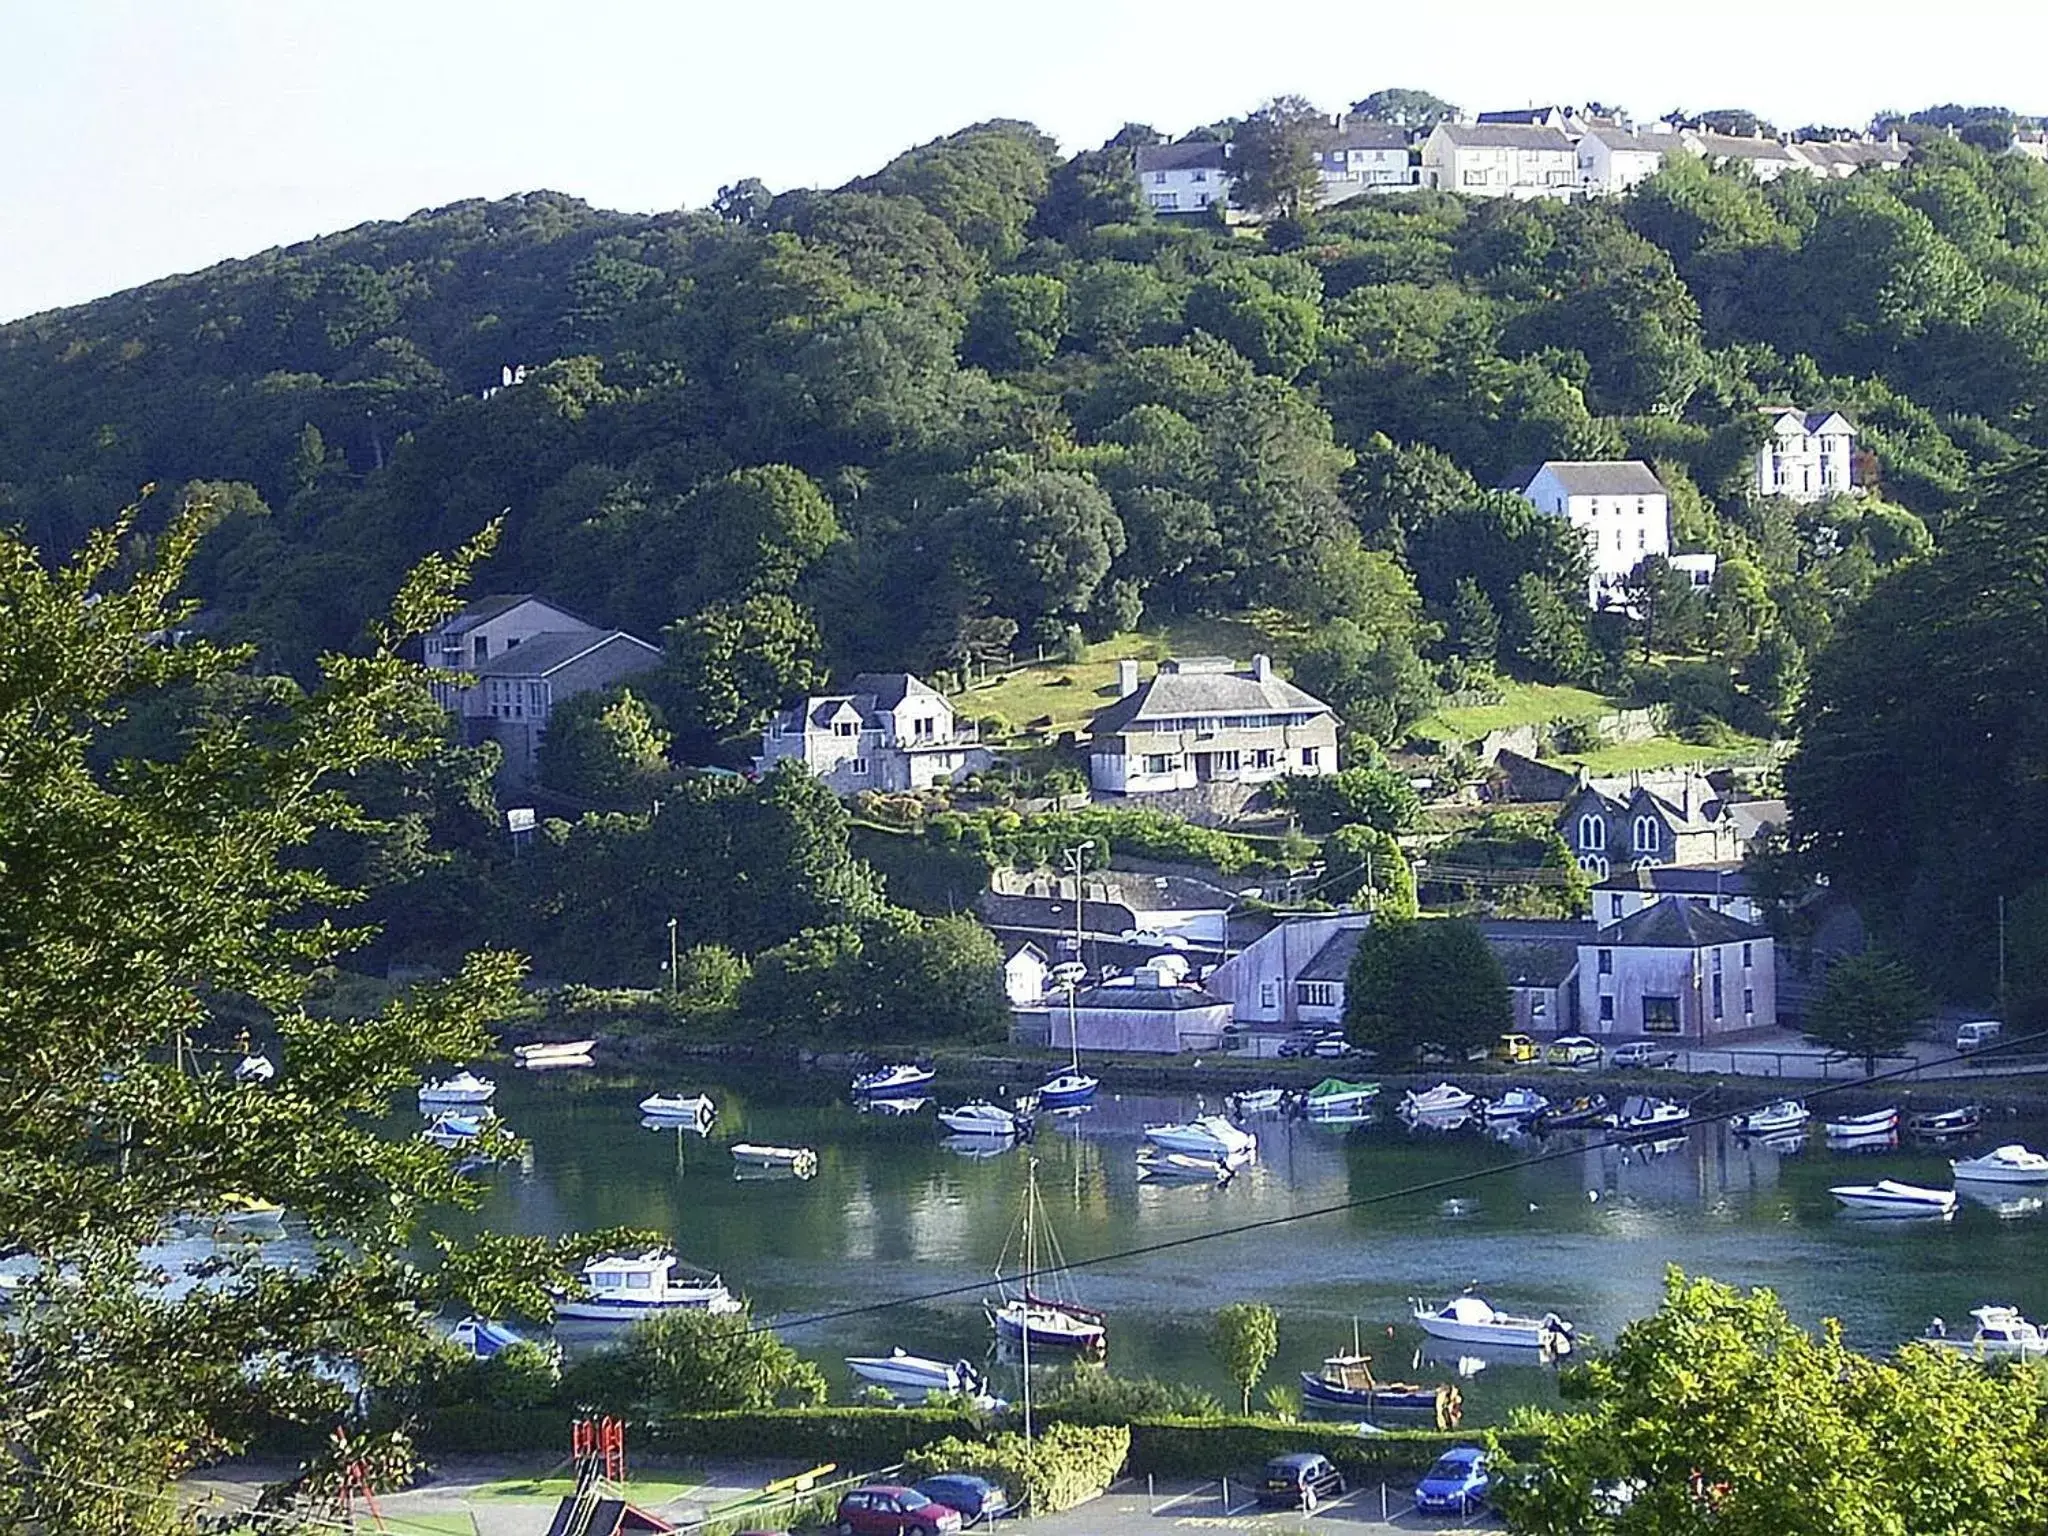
<point x="1244" y="1337"/>
<point x="1366" y="794"/>
<point x="696" y="1361"/>
<point x="1871" y="1004"/>
<point x="1720" y="1414"/>
<point x="1210" y="1448"/>
<point x="1273" y="165"/>
<point x="1404" y="108"/>
<point x="1518" y="860"/>
<point x="860" y="983"/>
<point x="1087" y="1394"/>
<point x="1427" y="982"/>
<point x="1364" y="864"/>
<point x="606" y="748"/>
<point x="1061" y="1466"/>
<point x="1037" y="842"/>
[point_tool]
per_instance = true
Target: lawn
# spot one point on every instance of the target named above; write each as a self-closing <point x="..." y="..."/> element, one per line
<point x="647" y="1492"/>
<point x="1521" y="704"/>
<point x="1662" y="752"/>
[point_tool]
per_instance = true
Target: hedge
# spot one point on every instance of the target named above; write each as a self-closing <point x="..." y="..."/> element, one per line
<point x="1220" y="1447"/>
<point x="1067" y="1464"/>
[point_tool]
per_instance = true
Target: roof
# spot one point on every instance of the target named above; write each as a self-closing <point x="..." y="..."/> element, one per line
<point x="1514" y="930"/>
<point x="1678" y="880"/>
<point x="550" y="653"/>
<point x="1028" y="949"/>
<point x="1809" y="421"/>
<point x="1678" y="922"/>
<point x="1188" y="155"/>
<point x="1753" y="817"/>
<point x="1505" y="136"/>
<point x="1537" y="962"/>
<point x="1629" y="142"/>
<point x="1054" y="913"/>
<point x="1333" y="961"/>
<point x="1164" y="893"/>
<point x="1365" y="135"/>
<point x="485" y="609"/>
<point x="1600" y="477"/>
<point x="1519" y="115"/>
<point x="1728" y="146"/>
<point x="1173" y="692"/>
<point x="1123" y="995"/>
<point x="889" y="689"/>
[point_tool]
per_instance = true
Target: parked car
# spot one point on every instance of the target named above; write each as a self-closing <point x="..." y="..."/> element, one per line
<point x="1456" y="1485"/>
<point x="1514" y="1048"/>
<point x="1299" y="1045"/>
<point x="1299" y="1481"/>
<point x="1574" y="1051"/>
<point x="976" y="1498"/>
<point x="1334" y="1046"/>
<point x="1642" y="1053"/>
<point x="885" y="1509"/>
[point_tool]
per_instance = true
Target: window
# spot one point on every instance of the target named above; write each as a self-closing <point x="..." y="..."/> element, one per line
<point x="1311" y="757"/>
<point x="1717" y="995"/>
<point x="1592" y="831"/>
<point x="641" y="1282"/>
<point x="1316" y="994"/>
<point x="1159" y="178"/>
<point x="1607" y="1009"/>
<point x="1539" y="1008"/>
<point x="858" y="767"/>
<point x="480" y="648"/>
<point x="1606" y="962"/>
<point x="1642" y="537"/>
<point x="1199" y="176"/>
<point x="1158" y="762"/>
<point x="1223" y="762"/>
<point x="1474" y="178"/>
<point x="1660" y="1015"/>
<point x="1749" y="1000"/>
<point x="845" y="728"/>
<point x="1614" y="908"/>
<point x="1745" y="957"/>
<point x="1269" y="994"/>
<point x="605" y="1280"/>
<point x="1262" y="757"/>
<point x="1166" y="200"/>
<point x="1717" y="962"/>
<point x="1649" y="835"/>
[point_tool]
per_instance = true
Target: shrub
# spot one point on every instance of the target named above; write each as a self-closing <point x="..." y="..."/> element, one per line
<point x="1091" y="1395"/>
<point x="1064" y="1466"/>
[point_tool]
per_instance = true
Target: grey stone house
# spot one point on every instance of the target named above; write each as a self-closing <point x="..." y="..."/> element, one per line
<point x="889" y="731"/>
<point x="1200" y="720"/>
<point x="1609" y="827"/>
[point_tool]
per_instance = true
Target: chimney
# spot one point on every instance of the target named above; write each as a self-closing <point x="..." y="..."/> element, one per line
<point x="1262" y="667"/>
<point x="1126" y="679"/>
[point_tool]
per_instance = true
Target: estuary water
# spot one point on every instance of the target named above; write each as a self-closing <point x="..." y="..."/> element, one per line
<point x="895" y="1212"/>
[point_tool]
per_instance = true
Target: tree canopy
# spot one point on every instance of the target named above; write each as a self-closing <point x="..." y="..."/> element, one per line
<point x="1424" y="982"/>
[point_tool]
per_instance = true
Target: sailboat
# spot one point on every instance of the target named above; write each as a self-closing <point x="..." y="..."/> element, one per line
<point x="1033" y="1321"/>
<point x="1073" y="1087"/>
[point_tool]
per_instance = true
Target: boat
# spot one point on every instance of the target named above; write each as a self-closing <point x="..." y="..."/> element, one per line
<point x="692" y="1112"/>
<point x="1469" y="1320"/>
<point x="1027" y="1319"/>
<point x="1641" y="1115"/>
<point x="895" y="1108"/>
<point x="1073" y="1087"/>
<point x="897" y="1081"/>
<point x="978" y="1117"/>
<point x="1517" y="1103"/>
<point x="2002" y="1334"/>
<point x="1260" y="1101"/>
<point x="255" y="1068"/>
<point x="1879" y="1122"/>
<point x="2003" y="1165"/>
<point x="1334" y="1101"/>
<point x="1210" y="1136"/>
<point x="464" y="1087"/>
<point x="1963" y="1120"/>
<point x="1443" y="1099"/>
<point x="801" y="1162"/>
<point x="554" y="1053"/>
<point x="484" y="1338"/>
<point x="1155" y="1164"/>
<point x="1773" y="1119"/>
<point x="1346" y="1384"/>
<point x="1585" y="1110"/>
<point x="623" y="1286"/>
<point x="245" y="1213"/>
<point x="1891" y="1198"/>
<point x="452" y="1129"/>
<point x="905" y="1374"/>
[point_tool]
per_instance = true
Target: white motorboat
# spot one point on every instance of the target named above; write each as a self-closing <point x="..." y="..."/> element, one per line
<point x="1469" y="1320"/>
<point x="1155" y="1164"/>
<point x="464" y="1087"/>
<point x="1517" y="1103"/>
<point x="1334" y="1101"/>
<point x="554" y="1053"/>
<point x="1888" y="1197"/>
<point x="899" y="1080"/>
<point x="1442" y="1100"/>
<point x="1942" y="1124"/>
<point x="1208" y="1136"/>
<point x="624" y="1286"/>
<point x="2003" y="1165"/>
<point x="255" y="1068"/>
<point x="907" y="1374"/>
<point x="801" y="1162"/>
<point x="691" y="1112"/>
<point x="1773" y="1119"/>
<point x="2002" y="1334"/>
<point x="978" y="1117"/>
<point x="1879" y="1122"/>
<point x="1260" y="1101"/>
<point x="1643" y="1116"/>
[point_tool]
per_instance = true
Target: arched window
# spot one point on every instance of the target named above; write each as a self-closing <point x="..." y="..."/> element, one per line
<point x="1649" y="836"/>
<point x="1592" y="831"/>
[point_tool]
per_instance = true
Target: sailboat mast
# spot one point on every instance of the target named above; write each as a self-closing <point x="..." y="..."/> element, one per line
<point x="1030" y="1264"/>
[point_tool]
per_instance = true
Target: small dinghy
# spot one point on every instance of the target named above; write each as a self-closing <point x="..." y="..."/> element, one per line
<point x="1940" y="1124"/>
<point x="1207" y="1136"/>
<point x="484" y="1338"/>
<point x="978" y="1117"/>
<point x="1773" y="1119"/>
<point x="2001" y="1334"/>
<point x="1517" y="1104"/>
<point x="1889" y="1197"/>
<point x="558" y="1053"/>
<point x="693" y="1112"/>
<point x="2005" y="1165"/>
<point x="1469" y="1320"/>
<point x="1070" y="1090"/>
<point x="1442" y="1101"/>
<point x="255" y="1068"/>
<point x="1878" y="1123"/>
<point x="451" y="1129"/>
<point x="464" y="1087"/>
<point x="249" y="1216"/>
<point x="897" y="1081"/>
<point x="794" y="1162"/>
<point x="1260" y="1101"/>
<point x="914" y="1375"/>
<point x="1643" y="1116"/>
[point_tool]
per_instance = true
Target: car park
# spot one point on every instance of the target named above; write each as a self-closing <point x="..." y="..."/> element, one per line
<point x="1642" y="1053"/>
<point x="1299" y="1481"/>
<point x="976" y="1498"/>
<point x="887" y="1509"/>
<point x="1456" y="1485"/>
<point x="1574" y="1051"/>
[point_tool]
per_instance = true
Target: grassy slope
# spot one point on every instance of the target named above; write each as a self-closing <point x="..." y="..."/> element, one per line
<point x="1521" y="704"/>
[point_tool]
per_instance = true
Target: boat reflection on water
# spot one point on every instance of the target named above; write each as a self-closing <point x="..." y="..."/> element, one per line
<point x="1469" y="1359"/>
<point x="2002" y="1200"/>
<point x="979" y="1147"/>
<point x="893" y="1108"/>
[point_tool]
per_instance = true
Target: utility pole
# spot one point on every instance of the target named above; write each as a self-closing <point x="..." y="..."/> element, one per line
<point x="1072" y="858"/>
<point x="671" y="957"/>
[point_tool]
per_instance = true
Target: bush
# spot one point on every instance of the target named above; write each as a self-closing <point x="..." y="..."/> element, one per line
<point x="1066" y="1465"/>
<point x="852" y="1437"/>
<point x="1091" y="1395"/>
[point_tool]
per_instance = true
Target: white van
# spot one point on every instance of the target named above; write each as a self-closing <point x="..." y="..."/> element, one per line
<point x="1977" y="1034"/>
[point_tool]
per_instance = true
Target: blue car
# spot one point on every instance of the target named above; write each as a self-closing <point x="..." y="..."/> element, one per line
<point x="1456" y="1485"/>
<point x="976" y="1498"/>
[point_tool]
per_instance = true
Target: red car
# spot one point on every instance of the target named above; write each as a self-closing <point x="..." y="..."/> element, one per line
<point x="884" y="1509"/>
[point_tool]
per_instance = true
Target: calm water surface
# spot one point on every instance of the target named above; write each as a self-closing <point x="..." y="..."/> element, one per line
<point x="894" y="1212"/>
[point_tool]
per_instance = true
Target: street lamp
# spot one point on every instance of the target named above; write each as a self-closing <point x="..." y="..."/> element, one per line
<point x="671" y="957"/>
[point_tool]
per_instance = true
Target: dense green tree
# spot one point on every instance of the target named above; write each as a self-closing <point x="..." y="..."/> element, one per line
<point x="729" y="665"/>
<point x="604" y="748"/>
<point x="1244" y="1336"/>
<point x="710" y="1362"/>
<point x="1043" y="543"/>
<point x="1375" y="682"/>
<point x="1404" y="108"/>
<point x="1870" y="1005"/>
<point x="1273" y="160"/>
<point x="1544" y="633"/>
<point x="1474" y="629"/>
<point x="1425" y="982"/>
<point x="1366" y="866"/>
<point x="1668" y="610"/>
<point x="1017" y="322"/>
<point x="1370" y="793"/>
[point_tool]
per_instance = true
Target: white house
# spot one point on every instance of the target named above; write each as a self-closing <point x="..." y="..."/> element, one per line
<point x="1845" y="157"/>
<point x="1722" y="887"/>
<point x="1767" y="159"/>
<point x="1521" y="160"/>
<point x="1024" y="976"/>
<point x="1293" y="975"/>
<point x="1618" y="504"/>
<point x="1809" y="455"/>
<point x="888" y="732"/>
<point x="1361" y="156"/>
<point x="1613" y="159"/>
<point x="1677" y="968"/>
<point x="1190" y="177"/>
<point x="1201" y="720"/>
<point x="525" y="656"/>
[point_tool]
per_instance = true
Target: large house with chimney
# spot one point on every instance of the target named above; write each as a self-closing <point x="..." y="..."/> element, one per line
<point x="888" y="731"/>
<point x="1203" y="719"/>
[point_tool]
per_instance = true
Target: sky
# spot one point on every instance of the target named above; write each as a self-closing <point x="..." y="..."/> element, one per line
<point x="140" y="138"/>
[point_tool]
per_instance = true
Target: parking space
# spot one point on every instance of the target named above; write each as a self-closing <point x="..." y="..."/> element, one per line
<point x="1133" y="1509"/>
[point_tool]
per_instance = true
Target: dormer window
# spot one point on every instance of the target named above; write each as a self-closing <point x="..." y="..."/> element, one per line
<point x="1649" y="835"/>
<point x="845" y="728"/>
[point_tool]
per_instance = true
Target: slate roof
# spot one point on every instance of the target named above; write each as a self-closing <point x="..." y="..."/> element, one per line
<point x="1525" y="115"/>
<point x="1190" y="155"/>
<point x="1600" y="477"/>
<point x="1365" y="135"/>
<point x="1165" y="893"/>
<point x="1640" y="143"/>
<point x="1122" y="995"/>
<point x="1333" y="961"/>
<point x="1751" y="817"/>
<point x="1505" y="136"/>
<point x="1169" y="695"/>
<point x="549" y="653"/>
<point x="1522" y="930"/>
<point x="1686" y="880"/>
<point x="1729" y="146"/>
<point x="1678" y="922"/>
<point x="888" y="689"/>
<point x="1055" y="913"/>
<point x="1809" y="421"/>
<point x="1537" y="962"/>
